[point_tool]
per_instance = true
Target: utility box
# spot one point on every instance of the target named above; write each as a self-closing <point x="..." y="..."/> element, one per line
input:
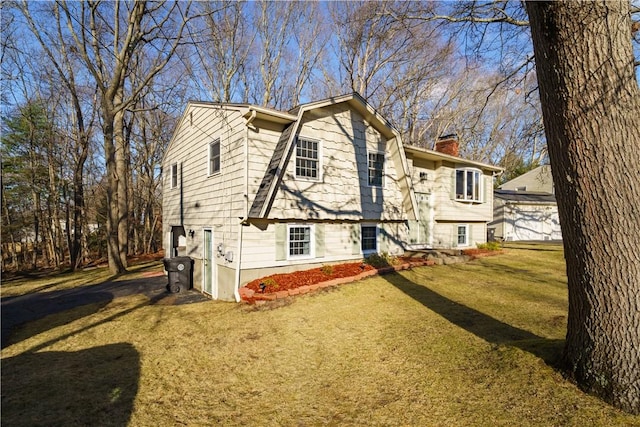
<point x="180" y="272"/>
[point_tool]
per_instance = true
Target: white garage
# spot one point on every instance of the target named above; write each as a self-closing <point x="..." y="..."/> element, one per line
<point x="522" y="215"/>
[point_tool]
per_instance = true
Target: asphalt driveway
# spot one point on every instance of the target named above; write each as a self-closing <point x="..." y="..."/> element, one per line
<point x="17" y="310"/>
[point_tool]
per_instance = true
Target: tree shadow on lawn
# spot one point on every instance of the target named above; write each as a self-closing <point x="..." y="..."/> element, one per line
<point x="79" y="302"/>
<point x="481" y="325"/>
<point x="95" y="386"/>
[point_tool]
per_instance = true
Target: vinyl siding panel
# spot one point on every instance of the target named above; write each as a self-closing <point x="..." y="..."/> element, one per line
<point x="342" y="191"/>
<point x="263" y="138"/>
<point x="216" y="201"/>
<point x="448" y="209"/>
<point x="260" y="247"/>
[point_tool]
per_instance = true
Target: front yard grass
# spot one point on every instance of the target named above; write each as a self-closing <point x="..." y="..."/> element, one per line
<point x="466" y="344"/>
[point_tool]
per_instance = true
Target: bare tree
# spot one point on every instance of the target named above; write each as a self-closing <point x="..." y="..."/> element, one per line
<point x="59" y="52"/>
<point x="221" y="46"/>
<point x="106" y="41"/>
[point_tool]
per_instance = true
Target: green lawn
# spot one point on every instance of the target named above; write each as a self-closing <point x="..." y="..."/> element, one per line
<point x="467" y="344"/>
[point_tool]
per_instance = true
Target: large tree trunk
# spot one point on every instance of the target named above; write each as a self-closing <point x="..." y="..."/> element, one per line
<point x="591" y="108"/>
<point x="122" y="169"/>
<point x="113" y="246"/>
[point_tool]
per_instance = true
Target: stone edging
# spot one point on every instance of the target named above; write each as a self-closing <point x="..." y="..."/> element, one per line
<point x="250" y="296"/>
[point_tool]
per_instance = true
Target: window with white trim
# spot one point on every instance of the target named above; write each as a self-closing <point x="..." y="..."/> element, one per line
<point x="376" y="169"/>
<point x="174" y="175"/>
<point x="369" y="238"/>
<point x="214" y="157"/>
<point x="463" y="235"/>
<point x="300" y="241"/>
<point x="469" y="185"/>
<point x="308" y="159"/>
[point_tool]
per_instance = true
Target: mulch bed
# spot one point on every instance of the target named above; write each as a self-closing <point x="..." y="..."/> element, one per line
<point x="284" y="285"/>
<point x="286" y="281"/>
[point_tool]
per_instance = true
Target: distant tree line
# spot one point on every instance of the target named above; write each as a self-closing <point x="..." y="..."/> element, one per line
<point x="91" y="92"/>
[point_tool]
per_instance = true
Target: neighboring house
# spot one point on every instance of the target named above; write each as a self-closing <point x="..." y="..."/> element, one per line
<point x="251" y="191"/>
<point x="538" y="180"/>
<point x="525" y="208"/>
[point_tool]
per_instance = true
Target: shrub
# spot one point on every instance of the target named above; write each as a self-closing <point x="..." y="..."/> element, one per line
<point x="381" y="260"/>
<point x="327" y="270"/>
<point x="490" y="246"/>
<point x="269" y="284"/>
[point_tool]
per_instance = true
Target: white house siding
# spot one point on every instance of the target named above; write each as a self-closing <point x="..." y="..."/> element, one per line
<point x="262" y="139"/>
<point x="341" y="244"/>
<point x="446" y="234"/>
<point x="437" y="178"/>
<point x="215" y="202"/>
<point x="342" y="192"/>
<point x="448" y="208"/>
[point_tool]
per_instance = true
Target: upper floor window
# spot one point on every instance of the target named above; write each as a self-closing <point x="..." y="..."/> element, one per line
<point x="214" y="157"/>
<point x="469" y="185"/>
<point x="307" y="159"/>
<point x="376" y="169"/>
<point x="174" y="175"/>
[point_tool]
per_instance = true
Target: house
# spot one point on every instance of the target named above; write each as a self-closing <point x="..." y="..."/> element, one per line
<point x="525" y="208"/>
<point x="250" y="191"/>
<point x="537" y="180"/>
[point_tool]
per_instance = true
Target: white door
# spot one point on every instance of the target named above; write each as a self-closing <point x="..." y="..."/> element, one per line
<point x="208" y="265"/>
<point x="422" y="228"/>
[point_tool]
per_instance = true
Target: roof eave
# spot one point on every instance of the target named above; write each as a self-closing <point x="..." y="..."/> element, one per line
<point x="436" y="155"/>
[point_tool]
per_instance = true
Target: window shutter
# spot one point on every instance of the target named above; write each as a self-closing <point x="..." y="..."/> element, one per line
<point x="319" y="240"/>
<point x="455" y="236"/>
<point x="453" y="185"/>
<point x="382" y="239"/>
<point x="281" y="242"/>
<point x="355" y="239"/>
<point x="414" y="229"/>
<point x="483" y="187"/>
<point x="470" y="241"/>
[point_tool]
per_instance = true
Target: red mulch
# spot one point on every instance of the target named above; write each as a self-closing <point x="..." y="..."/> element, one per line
<point x="286" y="281"/>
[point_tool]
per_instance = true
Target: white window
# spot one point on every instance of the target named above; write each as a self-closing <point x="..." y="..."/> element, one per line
<point x="463" y="235"/>
<point x="369" y="239"/>
<point x="300" y="241"/>
<point x="174" y="175"/>
<point x="376" y="169"/>
<point x="308" y="159"/>
<point x="214" y="157"/>
<point x="469" y="185"/>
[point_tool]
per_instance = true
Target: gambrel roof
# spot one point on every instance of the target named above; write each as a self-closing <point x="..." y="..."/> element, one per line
<point x="282" y="152"/>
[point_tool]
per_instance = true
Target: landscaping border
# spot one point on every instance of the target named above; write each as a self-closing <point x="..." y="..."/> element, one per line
<point x="249" y="296"/>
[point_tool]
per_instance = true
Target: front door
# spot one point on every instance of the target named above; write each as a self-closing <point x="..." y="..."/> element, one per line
<point x="421" y="229"/>
<point x="208" y="265"/>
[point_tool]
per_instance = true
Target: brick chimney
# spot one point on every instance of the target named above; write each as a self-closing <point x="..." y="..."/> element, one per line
<point x="448" y="144"/>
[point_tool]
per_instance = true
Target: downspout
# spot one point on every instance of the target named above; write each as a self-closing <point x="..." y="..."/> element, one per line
<point x="236" y="291"/>
<point x="181" y="199"/>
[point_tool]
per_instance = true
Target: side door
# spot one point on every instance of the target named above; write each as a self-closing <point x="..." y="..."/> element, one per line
<point x="208" y="265"/>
